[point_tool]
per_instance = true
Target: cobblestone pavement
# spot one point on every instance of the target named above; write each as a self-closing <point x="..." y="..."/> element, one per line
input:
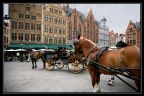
<point x="19" y="77"/>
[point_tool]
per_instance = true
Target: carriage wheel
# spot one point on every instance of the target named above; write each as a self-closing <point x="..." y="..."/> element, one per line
<point x="75" y="66"/>
<point x="85" y="67"/>
<point x="49" y="65"/>
<point x="59" y="66"/>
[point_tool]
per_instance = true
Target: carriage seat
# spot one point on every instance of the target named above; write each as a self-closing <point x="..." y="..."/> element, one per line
<point x="55" y="58"/>
<point x="100" y="52"/>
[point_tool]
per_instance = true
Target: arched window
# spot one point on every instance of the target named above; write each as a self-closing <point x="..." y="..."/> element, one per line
<point x="50" y="41"/>
<point x="75" y="21"/>
<point x="64" y="41"/>
<point x="59" y="41"/>
<point x="55" y="40"/>
<point x="79" y="28"/>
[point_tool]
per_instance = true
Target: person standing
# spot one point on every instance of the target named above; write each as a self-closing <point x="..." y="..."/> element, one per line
<point x="121" y="38"/>
<point x="121" y="42"/>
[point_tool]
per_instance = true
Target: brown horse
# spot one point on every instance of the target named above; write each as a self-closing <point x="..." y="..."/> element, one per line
<point x="127" y="58"/>
<point x="119" y="45"/>
<point x="35" y="56"/>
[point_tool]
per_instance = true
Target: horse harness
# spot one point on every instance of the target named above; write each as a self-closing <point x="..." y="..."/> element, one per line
<point x="96" y="65"/>
<point x="99" y="53"/>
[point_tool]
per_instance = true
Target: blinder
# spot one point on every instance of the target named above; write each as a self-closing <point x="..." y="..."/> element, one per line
<point x="76" y="42"/>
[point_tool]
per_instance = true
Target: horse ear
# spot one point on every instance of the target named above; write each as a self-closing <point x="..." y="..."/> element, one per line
<point x="79" y="35"/>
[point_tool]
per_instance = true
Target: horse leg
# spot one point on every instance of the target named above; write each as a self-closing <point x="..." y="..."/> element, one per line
<point x="111" y="81"/>
<point x="97" y="83"/>
<point x="43" y="64"/>
<point x="32" y="64"/>
<point x="35" y="64"/>
<point x="136" y="73"/>
<point x="95" y="77"/>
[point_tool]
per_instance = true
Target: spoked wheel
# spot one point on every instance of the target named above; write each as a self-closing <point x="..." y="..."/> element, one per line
<point x="60" y="64"/>
<point x="85" y="67"/>
<point x="75" y="66"/>
<point x="49" y="65"/>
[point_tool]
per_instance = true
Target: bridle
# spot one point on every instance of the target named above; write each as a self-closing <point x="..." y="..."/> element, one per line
<point x="89" y="51"/>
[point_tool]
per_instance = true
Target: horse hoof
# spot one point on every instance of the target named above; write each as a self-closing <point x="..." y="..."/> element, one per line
<point x="98" y="91"/>
<point x="110" y="84"/>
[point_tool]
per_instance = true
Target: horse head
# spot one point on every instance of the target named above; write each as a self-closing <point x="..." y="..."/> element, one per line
<point x="84" y="45"/>
<point x="29" y="50"/>
<point x="77" y="44"/>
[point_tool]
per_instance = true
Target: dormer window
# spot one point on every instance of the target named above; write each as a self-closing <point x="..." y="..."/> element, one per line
<point x="27" y="8"/>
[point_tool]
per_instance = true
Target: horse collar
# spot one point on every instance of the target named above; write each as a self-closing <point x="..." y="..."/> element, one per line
<point x="90" y="50"/>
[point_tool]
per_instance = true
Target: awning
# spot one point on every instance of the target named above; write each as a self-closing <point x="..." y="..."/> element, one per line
<point x="36" y="46"/>
<point x="25" y="46"/>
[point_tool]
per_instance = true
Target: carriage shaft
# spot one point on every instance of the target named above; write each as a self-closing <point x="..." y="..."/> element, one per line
<point x="95" y="64"/>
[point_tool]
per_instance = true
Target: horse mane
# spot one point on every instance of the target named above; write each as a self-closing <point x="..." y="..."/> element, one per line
<point x="82" y="38"/>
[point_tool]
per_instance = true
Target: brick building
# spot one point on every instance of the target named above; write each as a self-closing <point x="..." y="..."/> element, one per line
<point x="133" y="33"/>
<point x="75" y="23"/>
<point x="91" y="26"/>
<point x="54" y="24"/>
<point x="79" y="23"/>
<point x="38" y="24"/>
<point x="26" y="22"/>
<point x="112" y="38"/>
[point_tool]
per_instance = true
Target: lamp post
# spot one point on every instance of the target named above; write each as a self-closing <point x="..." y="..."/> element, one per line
<point x="21" y="56"/>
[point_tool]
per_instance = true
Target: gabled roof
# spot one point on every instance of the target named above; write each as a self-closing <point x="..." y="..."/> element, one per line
<point x="68" y="11"/>
<point x="110" y="32"/>
<point x="81" y="15"/>
<point x="137" y="25"/>
<point x="90" y="13"/>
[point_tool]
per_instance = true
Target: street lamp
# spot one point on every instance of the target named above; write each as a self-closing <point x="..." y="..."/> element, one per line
<point x="21" y="57"/>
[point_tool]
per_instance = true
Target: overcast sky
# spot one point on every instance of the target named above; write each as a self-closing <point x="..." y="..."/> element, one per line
<point x="117" y="15"/>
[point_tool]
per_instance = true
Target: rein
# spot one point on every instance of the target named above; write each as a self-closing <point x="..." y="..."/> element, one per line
<point x="114" y="70"/>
